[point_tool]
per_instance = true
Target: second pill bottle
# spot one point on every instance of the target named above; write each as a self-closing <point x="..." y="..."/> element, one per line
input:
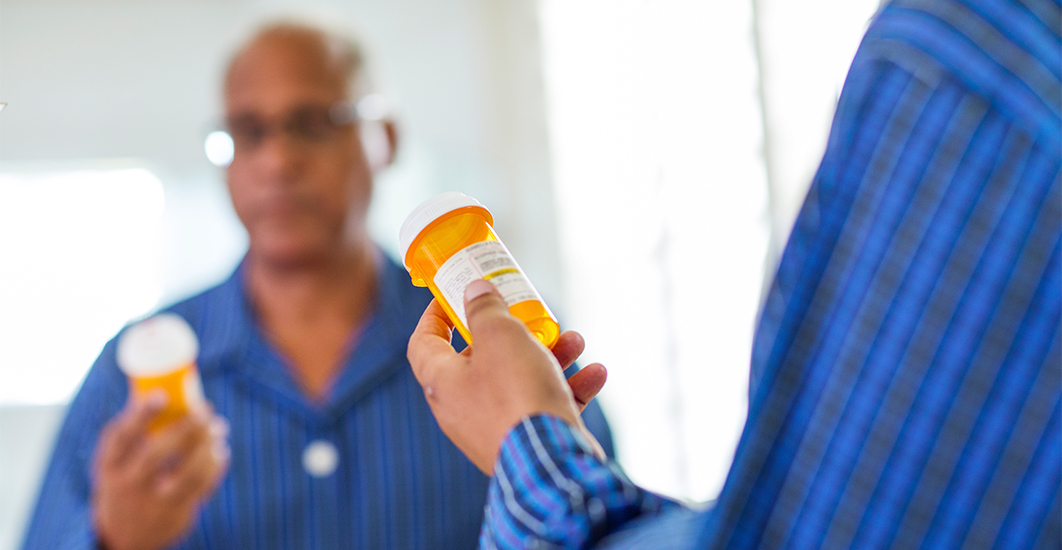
<point x="449" y="241"/>
<point x="159" y="354"/>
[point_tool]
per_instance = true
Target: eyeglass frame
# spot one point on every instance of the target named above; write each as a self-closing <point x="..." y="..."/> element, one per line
<point x="369" y="108"/>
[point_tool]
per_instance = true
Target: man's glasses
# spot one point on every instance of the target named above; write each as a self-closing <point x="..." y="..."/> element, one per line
<point x="307" y="126"/>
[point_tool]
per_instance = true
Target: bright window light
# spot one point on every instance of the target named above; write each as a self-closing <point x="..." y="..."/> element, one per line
<point x="219" y="148"/>
<point x="661" y="192"/>
<point x="81" y="258"/>
<point x="657" y="132"/>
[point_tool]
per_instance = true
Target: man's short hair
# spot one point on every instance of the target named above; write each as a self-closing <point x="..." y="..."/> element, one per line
<point x="342" y="46"/>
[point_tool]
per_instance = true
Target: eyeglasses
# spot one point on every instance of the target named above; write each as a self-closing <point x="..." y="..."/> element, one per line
<point x="307" y="126"/>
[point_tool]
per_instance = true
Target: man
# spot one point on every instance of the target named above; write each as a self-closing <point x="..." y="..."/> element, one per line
<point x="302" y="352"/>
<point x="906" y="370"/>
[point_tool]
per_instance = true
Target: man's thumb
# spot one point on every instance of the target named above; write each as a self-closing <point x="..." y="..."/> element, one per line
<point x="477" y="288"/>
<point x="483" y="304"/>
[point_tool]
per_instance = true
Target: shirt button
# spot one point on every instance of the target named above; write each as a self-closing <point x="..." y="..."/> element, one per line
<point x="320" y="458"/>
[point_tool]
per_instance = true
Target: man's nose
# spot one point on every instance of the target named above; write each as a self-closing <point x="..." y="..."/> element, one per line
<point x="281" y="153"/>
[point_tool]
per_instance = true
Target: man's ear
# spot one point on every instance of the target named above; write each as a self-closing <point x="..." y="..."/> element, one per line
<point x="390" y="128"/>
<point x="379" y="138"/>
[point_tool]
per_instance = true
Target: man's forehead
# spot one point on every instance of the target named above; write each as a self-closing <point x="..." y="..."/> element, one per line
<point x="282" y="69"/>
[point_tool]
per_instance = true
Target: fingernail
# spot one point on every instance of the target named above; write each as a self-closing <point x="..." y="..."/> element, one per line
<point x="200" y="416"/>
<point x="477" y="288"/>
<point x="221" y="453"/>
<point x="219" y="427"/>
<point x="157" y="399"/>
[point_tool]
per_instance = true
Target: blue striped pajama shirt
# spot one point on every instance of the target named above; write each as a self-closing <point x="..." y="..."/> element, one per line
<point x="399" y="483"/>
<point x="906" y="371"/>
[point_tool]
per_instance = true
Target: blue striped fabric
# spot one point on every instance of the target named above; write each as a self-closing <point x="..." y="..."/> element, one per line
<point x="906" y="373"/>
<point x="399" y="483"/>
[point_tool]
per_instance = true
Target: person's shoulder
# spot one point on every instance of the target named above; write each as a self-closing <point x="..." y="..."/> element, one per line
<point x="1008" y="53"/>
<point x="224" y="295"/>
<point x="1021" y="39"/>
<point x="196" y="302"/>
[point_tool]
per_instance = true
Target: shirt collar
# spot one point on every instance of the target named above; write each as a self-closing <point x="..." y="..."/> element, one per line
<point x="377" y="353"/>
<point x="380" y="349"/>
<point x="226" y="322"/>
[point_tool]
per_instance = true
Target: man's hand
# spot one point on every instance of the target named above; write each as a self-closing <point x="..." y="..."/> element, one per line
<point x="148" y="485"/>
<point x="478" y="395"/>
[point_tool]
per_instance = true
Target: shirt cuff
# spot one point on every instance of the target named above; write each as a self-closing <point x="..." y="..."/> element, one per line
<point x="550" y="490"/>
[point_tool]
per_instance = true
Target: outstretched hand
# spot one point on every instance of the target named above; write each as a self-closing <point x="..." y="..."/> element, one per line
<point x="478" y="395"/>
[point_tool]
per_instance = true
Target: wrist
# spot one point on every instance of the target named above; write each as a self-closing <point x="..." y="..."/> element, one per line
<point x="103" y="541"/>
<point x="550" y="433"/>
<point x="107" y="539"/>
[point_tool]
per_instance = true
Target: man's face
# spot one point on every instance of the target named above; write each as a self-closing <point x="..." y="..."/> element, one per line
<point x="299" y="183"/>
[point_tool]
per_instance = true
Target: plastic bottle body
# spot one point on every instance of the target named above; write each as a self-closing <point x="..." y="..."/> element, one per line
<point x="159" y="354"/>
<point x="460" y="246"/>
<point x="183" y="389"/>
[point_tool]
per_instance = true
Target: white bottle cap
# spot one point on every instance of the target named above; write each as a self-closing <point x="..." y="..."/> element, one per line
<point x="428" y="211"/>
<point x="157" y="346"/>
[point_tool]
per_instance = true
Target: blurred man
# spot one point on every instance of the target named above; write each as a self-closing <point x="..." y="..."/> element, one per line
<point x="302" y="351"/>
<point x="906" y="377"/>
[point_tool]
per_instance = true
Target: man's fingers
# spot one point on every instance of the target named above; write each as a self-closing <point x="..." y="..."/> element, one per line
<point x="586" y="383"/>
<point x="431" y="338"/>
<point x="173" y="443"/>
<point x="440" y="323"/>
<point x="121" y="436"/>
<point x="568" y="348"/>
<point x="200" y="472"/>
<point x="430" y="343"/>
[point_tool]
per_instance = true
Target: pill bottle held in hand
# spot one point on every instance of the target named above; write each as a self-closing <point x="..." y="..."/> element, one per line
<point x="159" y="353"/>
<point x="449" y="241"/>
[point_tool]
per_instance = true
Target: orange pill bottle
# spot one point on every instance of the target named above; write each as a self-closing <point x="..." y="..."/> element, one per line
<point x="160" y="353"/>
<point x="449" y="241"/>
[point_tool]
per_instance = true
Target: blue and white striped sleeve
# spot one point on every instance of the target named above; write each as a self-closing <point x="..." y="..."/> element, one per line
<point x="550" y="490"/>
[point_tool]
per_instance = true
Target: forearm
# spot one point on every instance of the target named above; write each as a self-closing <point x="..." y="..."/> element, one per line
<point x="550" y="490"/>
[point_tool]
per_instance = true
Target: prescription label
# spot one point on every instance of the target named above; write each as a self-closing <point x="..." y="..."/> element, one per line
<point x="488" y="260"/>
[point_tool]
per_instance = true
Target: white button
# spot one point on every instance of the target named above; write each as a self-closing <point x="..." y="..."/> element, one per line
<point x="320" y="458"/>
